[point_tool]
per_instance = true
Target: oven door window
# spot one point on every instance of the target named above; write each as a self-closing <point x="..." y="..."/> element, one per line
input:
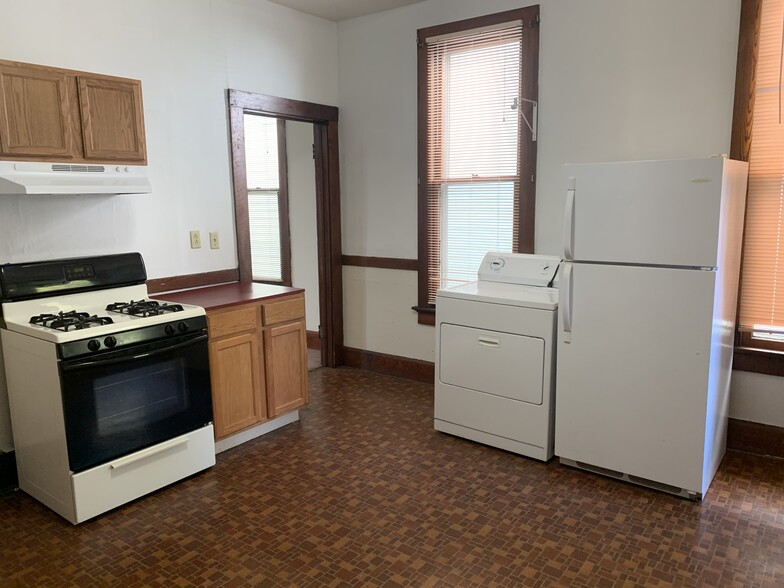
<point x="131" y="399"/>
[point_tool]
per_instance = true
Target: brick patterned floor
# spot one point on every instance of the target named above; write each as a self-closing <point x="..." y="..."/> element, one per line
<point x="363" y="492"/>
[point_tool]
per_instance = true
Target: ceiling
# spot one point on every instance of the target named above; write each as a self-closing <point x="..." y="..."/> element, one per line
<point x="336" y="10"/>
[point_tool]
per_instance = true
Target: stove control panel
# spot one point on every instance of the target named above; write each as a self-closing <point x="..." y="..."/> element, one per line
<point x="134" y="338"/>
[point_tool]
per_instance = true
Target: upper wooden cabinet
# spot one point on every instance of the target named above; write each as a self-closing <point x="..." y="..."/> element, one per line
<point x="52" y="114"/>
<point x="35" y="113"/>
<point x="112" y="121"/>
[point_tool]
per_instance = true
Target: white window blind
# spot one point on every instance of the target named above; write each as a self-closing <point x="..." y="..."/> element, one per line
<point x="261" y="162"/>
<point x="762" y="281"/>
<point x="474" y="121"/>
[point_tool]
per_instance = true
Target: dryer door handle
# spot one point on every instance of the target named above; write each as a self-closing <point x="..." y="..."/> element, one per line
<point x="488" y="342"/>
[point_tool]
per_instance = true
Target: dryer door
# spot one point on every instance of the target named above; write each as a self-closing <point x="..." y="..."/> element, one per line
<point x="502" y="364"/>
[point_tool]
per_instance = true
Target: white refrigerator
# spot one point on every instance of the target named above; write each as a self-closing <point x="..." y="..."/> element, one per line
<point x="646" y="318"/>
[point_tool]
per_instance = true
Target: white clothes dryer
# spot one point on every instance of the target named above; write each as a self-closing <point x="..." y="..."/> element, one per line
<point x="495" y="355"/>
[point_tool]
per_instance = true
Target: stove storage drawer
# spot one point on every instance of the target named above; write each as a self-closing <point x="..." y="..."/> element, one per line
<point x="233" y="322"/>
<point x="281" y="312"/>
<point x="111" y="484"/>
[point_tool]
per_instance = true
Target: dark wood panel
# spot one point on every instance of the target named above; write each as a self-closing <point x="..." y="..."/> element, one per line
<point x="330" y="256"/>
<point x="155" y="285"/>
<point x="755" y="438"/>
<point x="381" y="262"/>
<point x="313" y="339"/>
<point x="759" y="361"/>
<point x="393" y="365"/>
<point x="282" y="107"/>
<point x="745" y="78"/>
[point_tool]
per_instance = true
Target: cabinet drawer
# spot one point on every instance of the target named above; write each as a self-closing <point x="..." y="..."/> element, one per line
<point x="234" y="321"/>
<point x="287" y="310"/>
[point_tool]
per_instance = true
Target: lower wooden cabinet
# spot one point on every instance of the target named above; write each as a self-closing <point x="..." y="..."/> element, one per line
<point x="287" y="367"/>
<point x="258" y="362"/>
<point x="238" y="399"/>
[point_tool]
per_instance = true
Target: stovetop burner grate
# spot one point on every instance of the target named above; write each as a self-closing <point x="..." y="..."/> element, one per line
<point x="143" y="308"/>
<point x="70" y="320"/>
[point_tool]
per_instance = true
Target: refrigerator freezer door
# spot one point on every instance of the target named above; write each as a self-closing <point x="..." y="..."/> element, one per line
<point x="632" y="382"/>
<point x="644" y="212"/>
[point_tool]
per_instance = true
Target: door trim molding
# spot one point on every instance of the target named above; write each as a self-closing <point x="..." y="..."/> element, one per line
<point x="325" y="139"/>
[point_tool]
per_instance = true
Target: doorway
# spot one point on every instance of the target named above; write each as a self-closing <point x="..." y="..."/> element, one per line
<point x="324" y="120"/>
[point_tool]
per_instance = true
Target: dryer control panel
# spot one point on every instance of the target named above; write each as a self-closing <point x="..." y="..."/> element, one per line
<point x="518" y="268"/>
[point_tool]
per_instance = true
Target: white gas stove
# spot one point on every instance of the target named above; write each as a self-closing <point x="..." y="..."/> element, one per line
<point x="109" y="390"/>
<point x="92" y="315"/>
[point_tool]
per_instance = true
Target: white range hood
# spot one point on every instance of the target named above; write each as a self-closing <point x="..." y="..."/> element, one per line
<point x="72" y="178"/>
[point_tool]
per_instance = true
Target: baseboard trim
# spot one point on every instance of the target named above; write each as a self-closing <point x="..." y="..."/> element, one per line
<point x="313" y="339"/>
<point x="755" y="438"/>
<point x="257" y="431"/>
<point x="392" y="365"/>
<point x="9" y="480"/>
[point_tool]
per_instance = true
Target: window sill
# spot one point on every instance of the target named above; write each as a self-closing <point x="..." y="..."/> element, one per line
<point x="760" y="361"/>
<point x="426" y="315"/>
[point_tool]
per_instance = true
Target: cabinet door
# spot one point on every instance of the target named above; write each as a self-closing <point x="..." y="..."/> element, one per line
<point x="34" y="113"/>
<point x="112" y="119"/>
<point x="237" y="383"/>
<point x="287" y="367"/>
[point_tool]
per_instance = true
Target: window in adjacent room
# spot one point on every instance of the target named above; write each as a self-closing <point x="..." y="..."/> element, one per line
<point x="265" y="162"/>
<point x="761" y="319"/>
<point x="477" y="152"/>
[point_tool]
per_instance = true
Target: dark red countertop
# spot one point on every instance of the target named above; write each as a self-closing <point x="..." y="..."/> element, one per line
<point x="225" y="295"/>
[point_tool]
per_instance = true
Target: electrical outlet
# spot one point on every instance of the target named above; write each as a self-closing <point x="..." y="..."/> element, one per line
<point x="214" y="242"/>
<point x="195" y="240"/>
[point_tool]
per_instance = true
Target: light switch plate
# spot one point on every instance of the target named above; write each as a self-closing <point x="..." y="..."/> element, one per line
<point x="195" y="240"/>
<point x="214" y="241"/>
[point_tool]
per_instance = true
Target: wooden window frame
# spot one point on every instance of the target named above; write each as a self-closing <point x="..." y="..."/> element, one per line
<point x="765" y="357"/>
<point x="527" y="151"/>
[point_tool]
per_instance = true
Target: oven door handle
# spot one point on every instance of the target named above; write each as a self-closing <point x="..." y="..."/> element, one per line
<point x="93" y="363"/>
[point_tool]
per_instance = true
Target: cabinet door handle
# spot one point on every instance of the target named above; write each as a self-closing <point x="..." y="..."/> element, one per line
<point x="488" y="342"/>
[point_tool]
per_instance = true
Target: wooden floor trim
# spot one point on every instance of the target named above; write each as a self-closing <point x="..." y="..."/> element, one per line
<point x="755" y="438"/>
<point x="313" y="339"/>
<point x="392" y="365"/>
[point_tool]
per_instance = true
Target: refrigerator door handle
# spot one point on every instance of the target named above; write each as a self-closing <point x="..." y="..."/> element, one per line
<point x="566" y="306"/>
<point x="568" y="230"/>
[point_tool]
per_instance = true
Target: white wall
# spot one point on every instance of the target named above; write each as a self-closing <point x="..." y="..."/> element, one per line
<point x="302" y="217"/>
<point x="758" y="398"/>
<point x="619" y="80"/>
<point x="186" y="53"/>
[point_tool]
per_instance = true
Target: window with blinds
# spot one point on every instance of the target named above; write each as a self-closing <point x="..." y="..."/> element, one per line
<point x="479" y="120"/>
<point x="762" y="280"/>
<point x="262" y="162"/>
